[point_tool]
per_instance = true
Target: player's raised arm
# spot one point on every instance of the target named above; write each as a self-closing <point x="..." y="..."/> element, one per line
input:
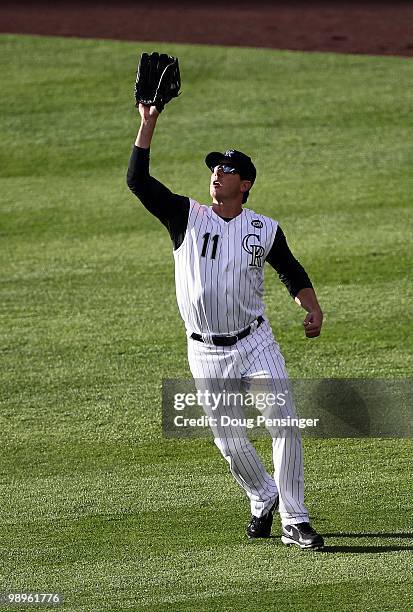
<point x="151" y="96"/>
<point x="149" y="116"/>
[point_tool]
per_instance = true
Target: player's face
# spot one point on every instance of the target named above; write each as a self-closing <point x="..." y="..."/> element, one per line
<point x="225" y="183"/>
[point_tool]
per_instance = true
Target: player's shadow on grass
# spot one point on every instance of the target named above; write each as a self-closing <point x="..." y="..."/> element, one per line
<point x="374" y="548"/>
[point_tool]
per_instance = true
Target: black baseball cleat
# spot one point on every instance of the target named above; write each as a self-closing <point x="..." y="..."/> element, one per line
<point x="261" y="527"/>
<point x="302" y="535"/>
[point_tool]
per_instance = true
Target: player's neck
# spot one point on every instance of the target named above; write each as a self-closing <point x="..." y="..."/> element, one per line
<point x="226" y="209"/>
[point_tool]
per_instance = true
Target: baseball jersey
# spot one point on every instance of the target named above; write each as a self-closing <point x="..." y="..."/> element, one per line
<point x="219" y="269"/>
<point x="218" y="262"/>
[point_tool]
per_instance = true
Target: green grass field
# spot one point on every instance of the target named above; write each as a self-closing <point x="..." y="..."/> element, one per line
<point x="95" y="503"/>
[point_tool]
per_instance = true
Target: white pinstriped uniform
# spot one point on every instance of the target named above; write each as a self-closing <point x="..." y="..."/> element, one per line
<point x="219" y="288"/>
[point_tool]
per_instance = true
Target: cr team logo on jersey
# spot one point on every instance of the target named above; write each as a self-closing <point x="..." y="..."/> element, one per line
<point x="249" y="244"/>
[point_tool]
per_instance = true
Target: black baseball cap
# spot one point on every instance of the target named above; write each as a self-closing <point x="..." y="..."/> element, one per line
<point x="239" y="160"/>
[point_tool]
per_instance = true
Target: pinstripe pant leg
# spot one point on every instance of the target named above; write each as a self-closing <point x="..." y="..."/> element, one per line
<point x="267" y="364"/>
<point x="214" y="368"/>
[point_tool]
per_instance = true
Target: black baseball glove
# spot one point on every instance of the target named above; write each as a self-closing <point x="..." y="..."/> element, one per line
<point x="158" y="80"/>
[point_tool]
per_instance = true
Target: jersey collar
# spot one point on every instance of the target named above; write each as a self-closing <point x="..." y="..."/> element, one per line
<point x="231" y="221"/>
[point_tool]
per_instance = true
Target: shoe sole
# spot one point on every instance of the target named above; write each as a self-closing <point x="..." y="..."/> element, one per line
<point x="289" y="542"/>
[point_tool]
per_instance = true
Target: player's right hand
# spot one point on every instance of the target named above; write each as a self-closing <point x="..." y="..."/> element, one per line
<point x="148" y="112"/>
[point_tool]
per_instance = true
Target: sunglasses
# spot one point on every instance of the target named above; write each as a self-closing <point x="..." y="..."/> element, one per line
<point x="227" y="169"/>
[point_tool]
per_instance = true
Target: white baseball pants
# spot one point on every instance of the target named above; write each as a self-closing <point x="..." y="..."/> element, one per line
<point x="254" y="358"/>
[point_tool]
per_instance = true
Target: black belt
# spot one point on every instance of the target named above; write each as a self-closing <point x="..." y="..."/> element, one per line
<point x="229" y="339"/>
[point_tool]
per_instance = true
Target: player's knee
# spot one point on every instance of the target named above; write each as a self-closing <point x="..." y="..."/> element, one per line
<point x="232" y="447"/>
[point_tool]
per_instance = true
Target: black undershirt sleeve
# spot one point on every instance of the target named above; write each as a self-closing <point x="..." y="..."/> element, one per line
<point x="171" y="209"/>
<point x="290" y="271"/>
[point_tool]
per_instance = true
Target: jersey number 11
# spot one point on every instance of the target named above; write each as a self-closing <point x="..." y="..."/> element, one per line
<point x="206" y="242"/>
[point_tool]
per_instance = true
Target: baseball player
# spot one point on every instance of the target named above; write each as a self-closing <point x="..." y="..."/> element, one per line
<point x="219" y="253"/>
